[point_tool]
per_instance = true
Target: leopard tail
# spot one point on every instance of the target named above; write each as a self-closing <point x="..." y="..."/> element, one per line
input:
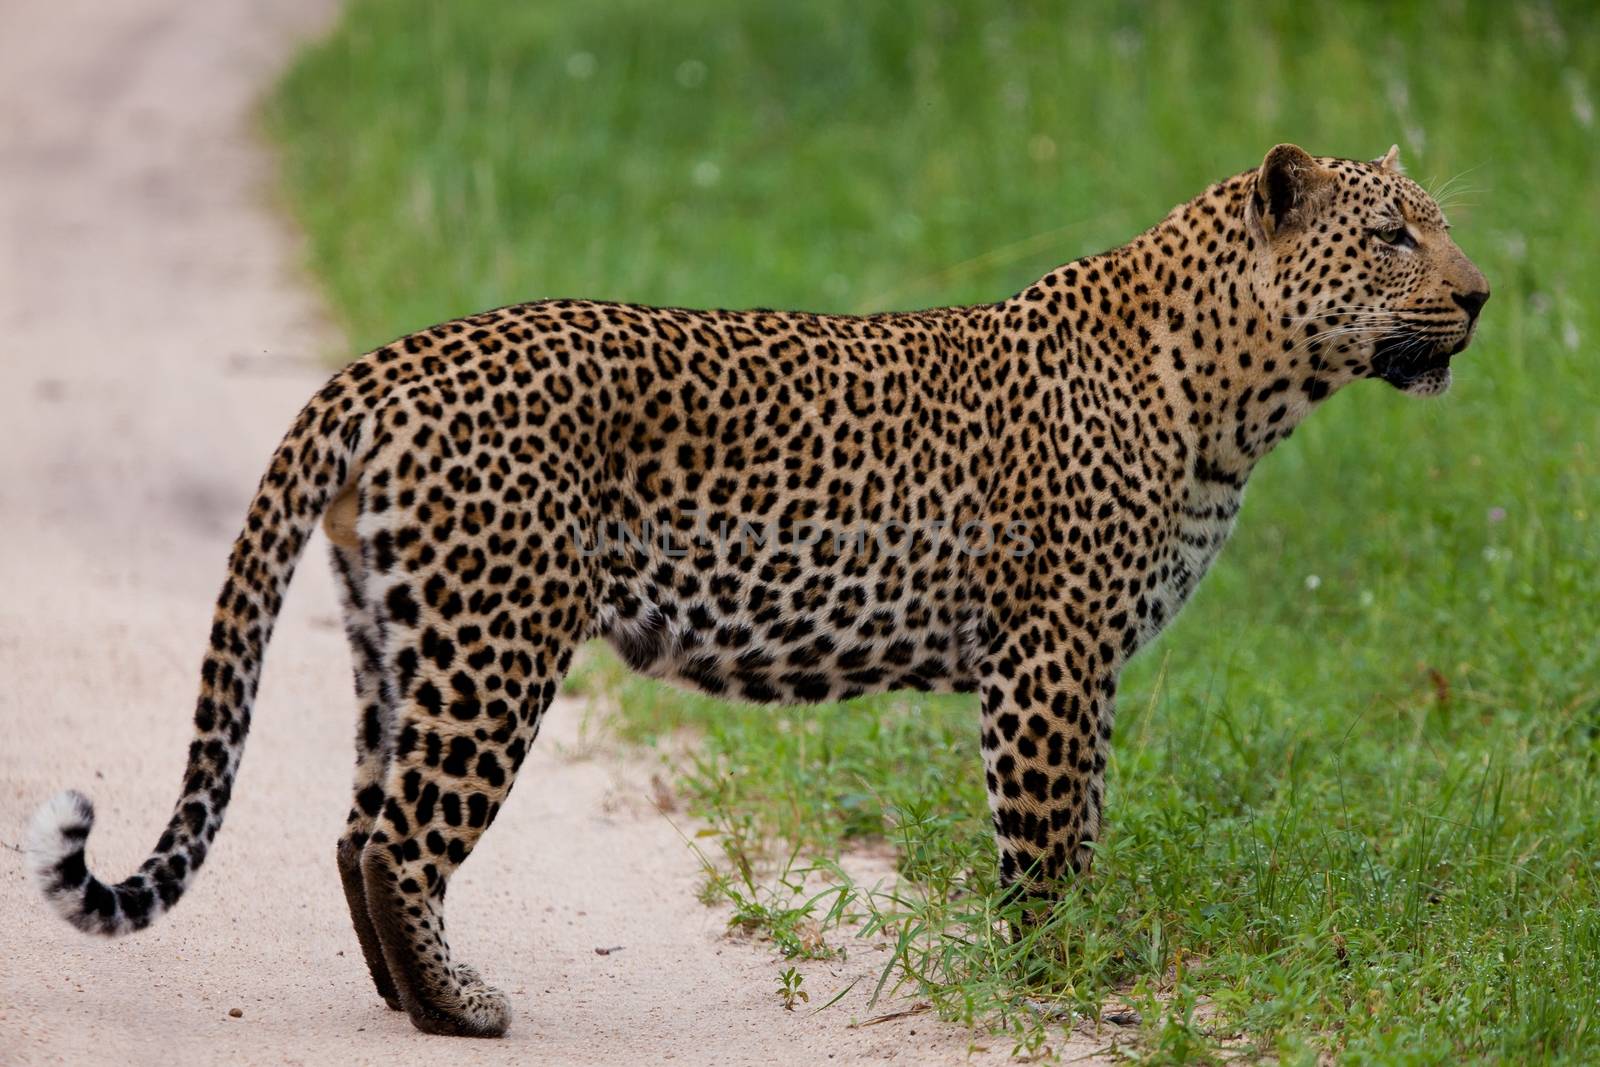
<point x="309" y="469"/>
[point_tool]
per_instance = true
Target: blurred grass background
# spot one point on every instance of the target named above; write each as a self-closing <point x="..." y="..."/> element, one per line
<point x="1353" y="803"/>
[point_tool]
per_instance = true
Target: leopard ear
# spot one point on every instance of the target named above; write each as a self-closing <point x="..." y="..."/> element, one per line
<point x="1390" y="160"/>
<point x="1290" y="189"/>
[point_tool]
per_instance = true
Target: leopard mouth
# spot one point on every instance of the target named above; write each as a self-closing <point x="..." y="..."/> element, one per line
<point x="1417" y="364"/>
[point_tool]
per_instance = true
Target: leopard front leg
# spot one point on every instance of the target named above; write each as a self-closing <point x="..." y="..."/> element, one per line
<point x="1048" y="704"/>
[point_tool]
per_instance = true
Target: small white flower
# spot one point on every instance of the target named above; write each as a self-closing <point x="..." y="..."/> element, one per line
<point x="1313" y="582"/>
<point x="706" y="174"/>
<point x="1367" y="599"/>
<point x="1569" y="335"/>
<point x="582" y="65"/>
<point x="1582" y="106"/>
<point x="906" y="226"/>
<point x="691" y="73"/>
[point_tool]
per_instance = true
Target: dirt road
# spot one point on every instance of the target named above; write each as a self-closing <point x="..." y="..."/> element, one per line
<point x="155" y="340"/>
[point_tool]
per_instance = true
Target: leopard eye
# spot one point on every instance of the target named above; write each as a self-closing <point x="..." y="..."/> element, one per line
<point x="1398" y="236"/>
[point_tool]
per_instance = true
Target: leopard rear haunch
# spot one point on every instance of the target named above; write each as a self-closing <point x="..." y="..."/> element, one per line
<point x="1008" y="499"/>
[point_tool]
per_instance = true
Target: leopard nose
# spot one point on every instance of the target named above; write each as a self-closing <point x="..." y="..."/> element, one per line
<point x="1471" y="303"/>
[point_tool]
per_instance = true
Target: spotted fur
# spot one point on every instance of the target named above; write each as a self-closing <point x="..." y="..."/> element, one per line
<point x="501" y="488"/>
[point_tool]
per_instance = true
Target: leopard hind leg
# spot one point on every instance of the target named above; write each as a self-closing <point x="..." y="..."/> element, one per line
<point x="374" y="731"/>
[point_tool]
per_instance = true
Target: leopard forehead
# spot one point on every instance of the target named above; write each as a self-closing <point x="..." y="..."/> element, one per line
<point x="1383" y="193"/>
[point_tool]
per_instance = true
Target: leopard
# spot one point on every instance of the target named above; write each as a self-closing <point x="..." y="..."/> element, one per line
<point x="1007" y="499"/>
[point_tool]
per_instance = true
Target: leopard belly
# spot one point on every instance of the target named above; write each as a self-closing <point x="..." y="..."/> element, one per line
<point x="724" y="630"/>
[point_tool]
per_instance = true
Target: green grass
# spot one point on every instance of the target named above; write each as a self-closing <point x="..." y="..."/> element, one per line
<point x="1354" y="800"/>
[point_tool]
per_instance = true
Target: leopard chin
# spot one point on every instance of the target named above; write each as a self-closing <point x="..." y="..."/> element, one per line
<point x="1424" y="372"/>
<point x="1432" y="382"/>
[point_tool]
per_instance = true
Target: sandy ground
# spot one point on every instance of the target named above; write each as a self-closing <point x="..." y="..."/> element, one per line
<point x="155" y="340"/>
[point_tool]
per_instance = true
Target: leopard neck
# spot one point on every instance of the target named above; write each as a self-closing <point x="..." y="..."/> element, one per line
<point x="1176" y="319"/>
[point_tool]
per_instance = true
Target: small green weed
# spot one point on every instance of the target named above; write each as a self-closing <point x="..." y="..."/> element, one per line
<point x="789" y="991"/>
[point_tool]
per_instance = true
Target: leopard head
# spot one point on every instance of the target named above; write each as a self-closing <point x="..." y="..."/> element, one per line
<point x="1356" y="262"/>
